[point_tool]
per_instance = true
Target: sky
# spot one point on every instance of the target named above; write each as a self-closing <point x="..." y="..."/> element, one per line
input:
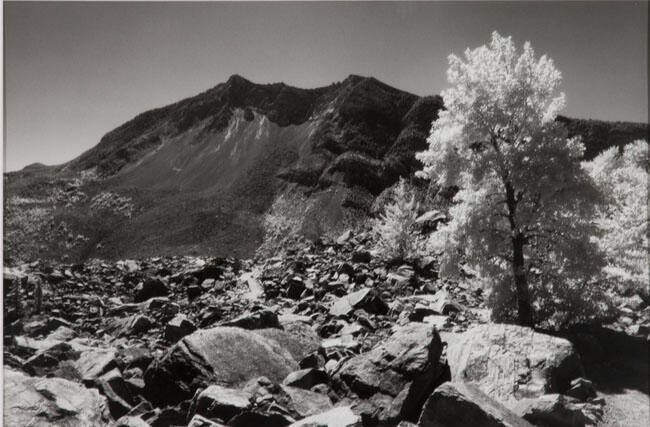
<point x="74" y="71"/>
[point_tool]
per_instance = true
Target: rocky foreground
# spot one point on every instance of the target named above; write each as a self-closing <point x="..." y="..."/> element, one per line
<point x="323" y="335"/>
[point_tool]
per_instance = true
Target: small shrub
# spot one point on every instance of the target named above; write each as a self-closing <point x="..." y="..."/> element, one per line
<point x="394" y="230"/>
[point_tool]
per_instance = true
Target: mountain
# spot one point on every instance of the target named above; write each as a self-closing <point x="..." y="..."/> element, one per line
<point x="214" y="173"/>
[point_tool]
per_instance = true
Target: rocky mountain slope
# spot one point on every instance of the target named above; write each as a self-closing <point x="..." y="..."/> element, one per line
<point x="217" y="173"/>
<point x="327" y="334"/>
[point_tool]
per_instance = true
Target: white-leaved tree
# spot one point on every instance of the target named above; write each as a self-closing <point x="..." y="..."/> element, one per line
<point x="522" y="216"/>
<point x="623" y="178"/>
<point x="394" y="228"/>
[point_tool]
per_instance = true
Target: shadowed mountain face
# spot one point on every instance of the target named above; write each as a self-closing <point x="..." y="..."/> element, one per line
<point x="212" y="173"/>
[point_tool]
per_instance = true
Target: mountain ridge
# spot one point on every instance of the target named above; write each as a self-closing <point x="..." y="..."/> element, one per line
<point x="214" y="172"/>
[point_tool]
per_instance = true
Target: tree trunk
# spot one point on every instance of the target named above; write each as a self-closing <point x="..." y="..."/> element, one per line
<point x="524" y="307"/>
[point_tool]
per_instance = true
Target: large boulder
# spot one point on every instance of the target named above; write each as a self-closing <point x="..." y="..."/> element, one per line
<point x="223" y="355"/>
<point x="399" y="373"/>
<point x="33" y="401"/>
<point x="510" y="362"/>
<point x="462" y="405"/>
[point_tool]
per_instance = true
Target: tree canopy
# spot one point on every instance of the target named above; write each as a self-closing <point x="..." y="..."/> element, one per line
<point x="522" y="216"/>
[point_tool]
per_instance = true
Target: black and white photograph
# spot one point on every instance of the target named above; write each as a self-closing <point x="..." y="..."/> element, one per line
<point x="325" y="214"/>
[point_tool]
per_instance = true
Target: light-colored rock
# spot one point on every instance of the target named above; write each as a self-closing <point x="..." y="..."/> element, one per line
<point x="510" y="362"/>
<point x="33" y="401"/>
<point x="222" y="355"/>
<point x="341" y="416"/>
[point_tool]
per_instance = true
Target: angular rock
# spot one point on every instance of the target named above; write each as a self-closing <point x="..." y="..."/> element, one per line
<point x="558" y="411"/>
<point x="462" y="405"/>
<point x="178" y="327"/>
<point x="30" y="401"/>
<point x="50" y="358"/>
<point x="199" y="421"/>
<point x="220" y="402"/>
<point x="341" y="416"/>
<point x="222" y="355"/>
<point x="405" y="366"/>
<point x="131" y="421"/>
<point x="303" y="403"/>
<point x="131" y="325"/>
<point x="256" y="320"/>
<point x="510" y="362"/>
<point x="93" y="363"/>
<point x="306" y="378"/>
<point x="366" y="299"/>
<point x="150" y="288"/>
<point x="117" y="393"/>
<point x="581" y="389"/>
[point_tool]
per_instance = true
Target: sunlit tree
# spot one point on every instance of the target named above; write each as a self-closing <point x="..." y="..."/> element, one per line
<point x="522" y="216"/>
<point x="623" y="178"/>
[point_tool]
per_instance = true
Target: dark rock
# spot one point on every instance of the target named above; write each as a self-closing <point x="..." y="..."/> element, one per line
<point x="581" y="389"/>
<point x="361" y="256"/>
<point x="50" y="358"/>
<point x="366" y="299"/>
<point x="131" y="421"/>
<point x="150" y="288"/>
<point x="558" y="411"/>
<point x="462" y="405"/>
<point x="220" y="402"/>
<point x="193" y="292"/>
<point x="295" y="287"/>
<point x="260" y="418"/>
<point x="178" y="327"/>
<point x="256" y="320"/>
<point x="117" y="394"/>
<point x="405" y="366"/>
<point x="132" y="325"/>
<point x="199" y="421"/>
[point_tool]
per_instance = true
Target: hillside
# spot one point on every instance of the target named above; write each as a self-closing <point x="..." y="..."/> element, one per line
<point x="214" y="173"/>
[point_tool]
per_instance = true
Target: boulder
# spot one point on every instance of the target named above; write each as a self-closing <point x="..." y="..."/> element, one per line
<point x="341" y="416"/>
<point x="222" y="355"/>
<point x="33" y="401"/>
<point x="297" y="337"/>
<point x="220" y="402"/>
<point x="463" y="405"/>
<point x="510" y="362"/>
<point x="405" y="366"/>
<point x="366" y="299"/>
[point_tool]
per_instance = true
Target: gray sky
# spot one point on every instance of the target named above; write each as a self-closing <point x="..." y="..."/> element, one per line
<point x="74" y="71"/>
